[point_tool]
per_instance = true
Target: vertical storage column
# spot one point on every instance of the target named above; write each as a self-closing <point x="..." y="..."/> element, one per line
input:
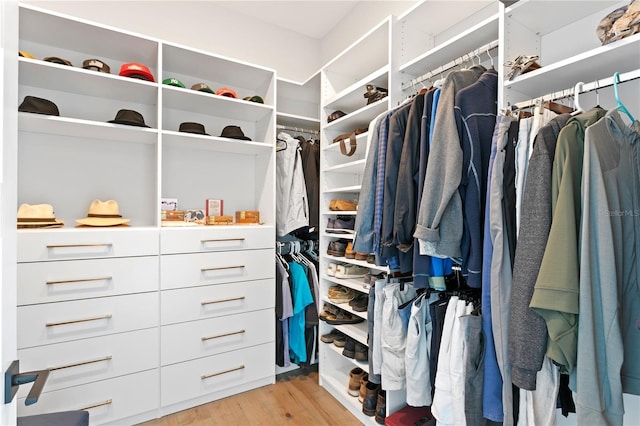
<point x="344" y="80"/>
<point x="88" y="297"/>
<point x="217" y="282"/>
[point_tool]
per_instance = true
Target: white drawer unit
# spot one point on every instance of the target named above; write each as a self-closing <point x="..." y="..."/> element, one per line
<point x="44" y="282"/>
<point x="192" y="379"/>
<point x="107" y="401"/>
<point x="81" y="243"/>
<point x="190" y="270"/>
<point x="196" y="339"/>
<point x="90" y="360"/>
<point x="215" y="238"/>
<point x="65" y="321"/>
<point x="209" y="301"/>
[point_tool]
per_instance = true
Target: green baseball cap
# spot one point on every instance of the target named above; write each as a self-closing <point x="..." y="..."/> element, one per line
<point x="173" y="82"/>
<point x="256" y="99"/>
<point x="202" y="87"/>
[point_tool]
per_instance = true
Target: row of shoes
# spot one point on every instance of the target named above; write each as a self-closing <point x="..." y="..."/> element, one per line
<point x="351" y="348"/>
<point x="341" y="224"/>
<point x="357" y="300"/>
<point x="345" y="271"/>
<point x="344" y="248"/>
<point x="371" y="395"/>
<point x="335" y="316"/>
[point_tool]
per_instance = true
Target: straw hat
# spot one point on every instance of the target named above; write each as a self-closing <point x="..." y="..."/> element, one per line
<point x="103" y="213"/>
<point x="37" y="216"/>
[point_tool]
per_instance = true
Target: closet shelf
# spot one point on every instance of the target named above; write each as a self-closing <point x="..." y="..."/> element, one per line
<point x="536" y="16"/>
<point x="354" y="188"/>
<point x="350" y="167"/>
<point x="294" y="120"/>
<point x="358" y="119"/>
<point x="220" y="106"/>
<point x="463" y="43"/>
<point x="85" y="129"/>
<point x="214" y="143"/>
<point x="355" y="331"/>
<point x="364" y="263"/>
<point x="592" y="65"/>
<point x="345" y="307"/>
<point x="62" y="78"/>
<point x="352" y="97"/>
<point x="362" y="364"/>
<point x="356" y="284"/>
<point x="360" y="139"/>
<point x="334" y="212"/>
<point x="337" y="382"/>
<point x="342" y="236"/>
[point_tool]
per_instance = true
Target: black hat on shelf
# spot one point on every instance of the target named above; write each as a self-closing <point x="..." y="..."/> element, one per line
<point x="38" y="106"/>
<point x="191" y="127"/>
<point x="129" y="117"/>
<point x="234" y="132"/>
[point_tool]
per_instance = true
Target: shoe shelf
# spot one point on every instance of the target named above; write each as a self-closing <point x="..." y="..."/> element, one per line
<point x="338" y="350"/>
<point x="352" y="98"/>
<point x="358" y="119"/>
<point x="342" y="236"/>
<point x="350" y="167"/>
<point x="356" y="284"/>
<point x="362" y="263"/>
<point x="343" y="189"/>
<point x="293" y="120"/>
<point x="345" y="307"/>
<point x="355" y="331"/>
<point x="337" y="382"/>
<point x="338" y="212"/>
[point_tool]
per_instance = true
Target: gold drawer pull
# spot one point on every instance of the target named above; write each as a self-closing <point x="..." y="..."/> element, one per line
<point x="222" y="300"/>
<point x="207" y="376"/>
<point x="53" y="324"/>
<point x="204" y="339"/>
<point x="221" y="240"/>
<point x="79" y="245"/>
<point x="82" y="280"/>
<point x="222" y="267"/>
<point x="89" y="407"/>
<point x="78" y="364"/>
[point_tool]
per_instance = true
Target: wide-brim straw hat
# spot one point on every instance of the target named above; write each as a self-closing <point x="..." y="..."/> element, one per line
<point x="37" y="216"/>
<point x="103" y="213"/>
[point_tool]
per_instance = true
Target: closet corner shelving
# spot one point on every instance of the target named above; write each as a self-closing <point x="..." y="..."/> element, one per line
<point x="179" y="316"/>
<point x="344" y="79"/>
<point x="298" y="104"/>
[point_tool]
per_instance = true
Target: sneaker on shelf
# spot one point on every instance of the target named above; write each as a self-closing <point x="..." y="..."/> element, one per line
<point x="342" y="317"/>
<point x="370" y="399"/>
<point x="360" y="303"/>
<point x="341" y="225"/>
<point x="331" y="336"/>
<point x="348" y="252"/>
<point x="340" y="341"/>
<point x="343" y="205"/>
<point x="340" y="294"/>
<point x="361" y="352"/>
<point x="331" y="269"/>
<point x="351" y="271"/>
<point x="337" y="248"/>
<point x="363" y="388"/>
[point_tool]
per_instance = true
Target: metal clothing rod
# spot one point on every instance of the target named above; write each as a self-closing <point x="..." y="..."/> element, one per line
<point x="297" y="129"/>
<point x="461" y="60"/>
<point x="586" y="88"/>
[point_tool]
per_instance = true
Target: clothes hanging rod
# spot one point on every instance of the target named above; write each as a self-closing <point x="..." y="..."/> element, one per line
<point x="586" y="88"/>
<point x="298" y="129"/>
<point x="458" y="61"/>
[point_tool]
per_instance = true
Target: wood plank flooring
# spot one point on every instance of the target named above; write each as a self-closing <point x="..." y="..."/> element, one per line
<point x="295" y="399"/>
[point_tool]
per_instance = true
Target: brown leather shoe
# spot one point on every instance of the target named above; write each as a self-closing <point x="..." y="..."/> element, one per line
<point x="348" y="252"/>
<point x="343" y="205"/>
<point x="355" y="375"/>
<point x="363" y="387"/>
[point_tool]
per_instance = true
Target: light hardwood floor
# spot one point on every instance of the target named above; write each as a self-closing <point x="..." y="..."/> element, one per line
<point x="295" y="399"/>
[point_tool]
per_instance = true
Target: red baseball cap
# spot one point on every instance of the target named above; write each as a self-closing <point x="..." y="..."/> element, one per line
<point x="225" y="91"/>
<point x="135" y="70"/>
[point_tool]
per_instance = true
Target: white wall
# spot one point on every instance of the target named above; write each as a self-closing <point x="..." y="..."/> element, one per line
<point x="363" y="17"/>
<point x="206" y="26"/>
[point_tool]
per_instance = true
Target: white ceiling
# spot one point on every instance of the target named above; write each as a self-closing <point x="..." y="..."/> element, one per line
<point x="311" y="18"/>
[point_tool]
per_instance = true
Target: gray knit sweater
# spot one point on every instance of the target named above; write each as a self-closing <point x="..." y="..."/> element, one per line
<point x="527" y="330"/>
<point x="439" y="227"/>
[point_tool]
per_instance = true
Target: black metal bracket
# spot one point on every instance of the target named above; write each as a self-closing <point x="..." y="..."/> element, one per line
<point x="13" y="379"/>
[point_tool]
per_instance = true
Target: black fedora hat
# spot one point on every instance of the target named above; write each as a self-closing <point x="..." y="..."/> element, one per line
<point x="38" y="106"/>
<point x="129" y="117"/>
<point x="190" y="127"/>
<point x="234" y="132"/>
